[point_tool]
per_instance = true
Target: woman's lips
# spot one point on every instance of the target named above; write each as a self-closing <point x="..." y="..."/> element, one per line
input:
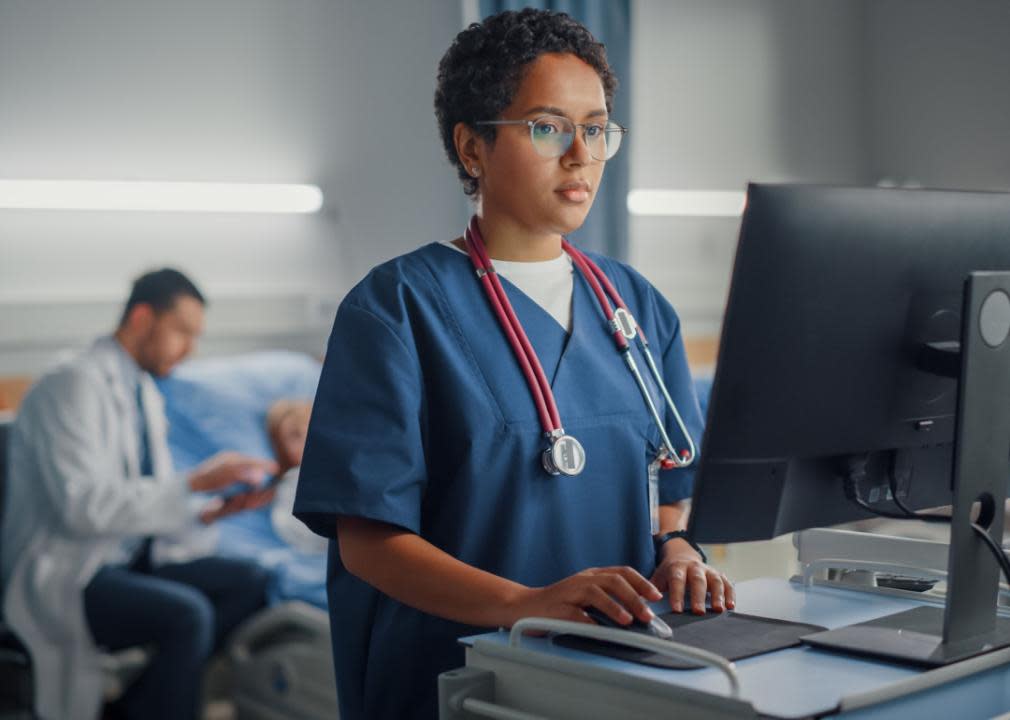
<point x="574" y="193"/>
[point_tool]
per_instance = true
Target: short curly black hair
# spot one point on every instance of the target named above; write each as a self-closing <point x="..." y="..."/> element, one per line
<point x="480" y="73"/>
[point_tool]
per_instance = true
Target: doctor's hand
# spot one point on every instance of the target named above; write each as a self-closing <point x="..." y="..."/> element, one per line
<point x="682" y="569"/>
<point x="618" y="592"/>
<point x="219" y="507"/>
<point x="227" y="468"/>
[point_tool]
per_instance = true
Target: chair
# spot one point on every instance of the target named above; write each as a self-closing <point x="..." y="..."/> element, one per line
<point x="16" y="682"/>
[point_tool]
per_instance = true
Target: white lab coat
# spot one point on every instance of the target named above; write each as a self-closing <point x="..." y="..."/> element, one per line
<point x="73" y="495"/>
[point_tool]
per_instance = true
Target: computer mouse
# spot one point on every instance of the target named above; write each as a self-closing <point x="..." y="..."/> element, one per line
<point x="655" y="627"/>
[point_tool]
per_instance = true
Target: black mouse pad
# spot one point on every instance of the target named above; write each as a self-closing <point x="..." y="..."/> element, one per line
<point x="732" y="635"/>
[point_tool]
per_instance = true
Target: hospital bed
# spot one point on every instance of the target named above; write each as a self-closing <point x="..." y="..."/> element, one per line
<point x="220" y="403"/>
<point x="283" y="665"/>
<point x="281" y="659"/>
<point x="523" y="678"/>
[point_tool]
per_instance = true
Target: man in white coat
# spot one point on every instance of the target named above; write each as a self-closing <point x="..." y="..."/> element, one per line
<point x="90" y="482"/>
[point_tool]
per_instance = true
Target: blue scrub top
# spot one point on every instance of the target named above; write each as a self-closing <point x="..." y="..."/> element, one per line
<point x="423" y="420"/>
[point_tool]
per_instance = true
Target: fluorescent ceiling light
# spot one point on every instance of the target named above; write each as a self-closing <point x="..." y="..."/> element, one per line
<point x="159" y="196"/>
<point x="687" y="203"/>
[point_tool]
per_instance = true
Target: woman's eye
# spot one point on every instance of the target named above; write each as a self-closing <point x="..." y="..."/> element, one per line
<point x="545" y="128"/>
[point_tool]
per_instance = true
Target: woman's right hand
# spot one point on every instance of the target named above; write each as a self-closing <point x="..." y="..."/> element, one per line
<point x="618" y="592"/>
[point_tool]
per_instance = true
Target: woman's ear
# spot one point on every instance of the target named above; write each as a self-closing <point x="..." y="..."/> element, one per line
<point x="469" y="149"/>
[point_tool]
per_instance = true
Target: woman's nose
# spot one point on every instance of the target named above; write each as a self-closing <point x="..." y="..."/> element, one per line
<point x="578" y="153"/>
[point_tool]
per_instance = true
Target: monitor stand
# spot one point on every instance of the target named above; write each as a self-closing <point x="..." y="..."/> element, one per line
<point x="968" y="625"/>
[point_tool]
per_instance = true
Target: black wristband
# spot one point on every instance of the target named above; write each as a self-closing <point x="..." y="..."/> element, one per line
<point x="658" y="541"/>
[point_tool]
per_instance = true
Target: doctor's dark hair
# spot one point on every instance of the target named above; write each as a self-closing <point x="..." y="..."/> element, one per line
<point x="160" y="289"/>
<point x="480" y="73"/>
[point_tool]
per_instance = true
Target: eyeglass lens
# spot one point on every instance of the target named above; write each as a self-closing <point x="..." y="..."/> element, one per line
<point x="553" y="135"/>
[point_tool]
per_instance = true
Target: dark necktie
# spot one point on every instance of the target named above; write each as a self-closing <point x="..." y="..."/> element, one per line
<point x="146" y="467"/>
<point x="142" y="558"/>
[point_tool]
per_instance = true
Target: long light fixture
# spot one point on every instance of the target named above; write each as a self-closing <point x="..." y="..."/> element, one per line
<point x="159" y="196"/>
<point x="687" y="203"/>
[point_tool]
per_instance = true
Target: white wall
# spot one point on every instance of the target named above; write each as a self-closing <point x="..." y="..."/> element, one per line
<point x="333" y="93"/>
<point x="940" y="92"/>
<point x="837" y="91"/>
<point x="727" y="92"/>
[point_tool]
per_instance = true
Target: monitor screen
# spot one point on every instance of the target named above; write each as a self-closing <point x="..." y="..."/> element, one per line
<point x="835" y="294"/>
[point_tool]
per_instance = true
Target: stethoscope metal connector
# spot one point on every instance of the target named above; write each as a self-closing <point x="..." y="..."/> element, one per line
<point x="564" y="456"/>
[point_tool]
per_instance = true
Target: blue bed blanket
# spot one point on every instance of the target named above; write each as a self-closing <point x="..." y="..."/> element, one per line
<point x="221" y="403"/>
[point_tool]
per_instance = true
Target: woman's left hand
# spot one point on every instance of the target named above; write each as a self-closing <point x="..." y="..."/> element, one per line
<point x="681" y="569"/>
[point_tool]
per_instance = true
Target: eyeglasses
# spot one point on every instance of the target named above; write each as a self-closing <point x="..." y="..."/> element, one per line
<point x="553" y="135"/>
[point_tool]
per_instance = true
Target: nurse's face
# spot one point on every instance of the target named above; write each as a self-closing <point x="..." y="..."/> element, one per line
<point x="545" y="195"/>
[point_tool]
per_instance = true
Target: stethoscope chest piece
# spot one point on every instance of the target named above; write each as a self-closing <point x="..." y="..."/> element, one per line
<point x="565" y="456"/>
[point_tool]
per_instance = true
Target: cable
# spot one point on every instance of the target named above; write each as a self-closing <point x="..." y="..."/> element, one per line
<point x="993" y="546"/>
<point x="854" y="469"/>
<point x="857" y="467"/>
<point x="913" y="515"/>
<point x="997" y="551"/>
<point x="878" y="512"/>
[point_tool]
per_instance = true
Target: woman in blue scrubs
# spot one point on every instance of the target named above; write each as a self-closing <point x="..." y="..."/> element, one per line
<point x="423" y="458"/>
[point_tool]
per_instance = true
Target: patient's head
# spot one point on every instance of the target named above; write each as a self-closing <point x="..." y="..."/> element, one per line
<point x="288" y="424"/>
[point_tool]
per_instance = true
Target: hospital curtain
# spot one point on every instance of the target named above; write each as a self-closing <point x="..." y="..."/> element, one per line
<point x="606" y="228"/>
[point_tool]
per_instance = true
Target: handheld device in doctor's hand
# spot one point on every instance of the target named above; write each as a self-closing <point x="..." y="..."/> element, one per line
<point x="236" y="479"/>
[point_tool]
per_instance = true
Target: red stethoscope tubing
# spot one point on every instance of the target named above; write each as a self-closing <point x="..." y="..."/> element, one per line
<point x="588" y="269"/>
<point x="543" y="396"/>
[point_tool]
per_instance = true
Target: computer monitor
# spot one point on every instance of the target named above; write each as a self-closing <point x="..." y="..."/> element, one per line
<point x="840" y="375"/>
